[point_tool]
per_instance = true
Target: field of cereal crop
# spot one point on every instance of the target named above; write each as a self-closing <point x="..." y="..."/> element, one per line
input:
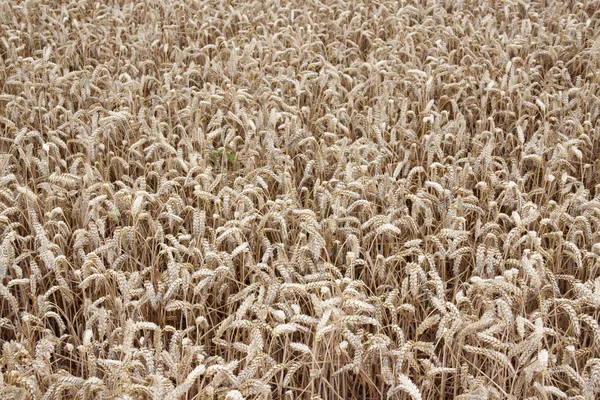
<point x="299" y="199"/>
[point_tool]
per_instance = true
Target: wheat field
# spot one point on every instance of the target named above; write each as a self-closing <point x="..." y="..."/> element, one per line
<point x="299" y="199"/>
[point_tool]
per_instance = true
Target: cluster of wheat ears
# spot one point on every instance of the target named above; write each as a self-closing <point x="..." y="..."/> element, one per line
<point x="299" y="199"/>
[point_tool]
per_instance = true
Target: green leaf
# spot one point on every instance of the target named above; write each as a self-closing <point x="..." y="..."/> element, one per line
<point x="231" y="157"/>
